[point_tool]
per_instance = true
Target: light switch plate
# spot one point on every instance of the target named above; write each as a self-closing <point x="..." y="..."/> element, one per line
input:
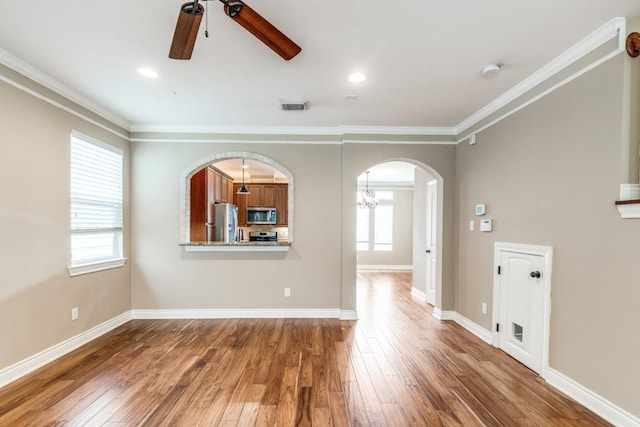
<point x="472" y="225"/>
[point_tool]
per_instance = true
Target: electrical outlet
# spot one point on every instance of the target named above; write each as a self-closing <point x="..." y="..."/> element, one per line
<point x="74" y="313"/>
<point x="484" y="308"/>
<point x="287" y="292"/>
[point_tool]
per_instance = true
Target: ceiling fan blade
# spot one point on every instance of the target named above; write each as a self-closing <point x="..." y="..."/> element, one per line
<point x="184" y="38"/>
<point x="253" y="22"/>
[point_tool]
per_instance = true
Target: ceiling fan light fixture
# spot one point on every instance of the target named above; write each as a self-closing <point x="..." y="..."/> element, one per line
<point x="184" y="37"/>
<point x="253" y="22"/>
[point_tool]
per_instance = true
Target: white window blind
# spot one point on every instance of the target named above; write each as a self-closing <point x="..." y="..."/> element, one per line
<point x="96" y="201"/>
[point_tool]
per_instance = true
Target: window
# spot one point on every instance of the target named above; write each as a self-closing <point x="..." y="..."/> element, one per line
<point x="96" y="205"/>
<point x="375" y="226"/>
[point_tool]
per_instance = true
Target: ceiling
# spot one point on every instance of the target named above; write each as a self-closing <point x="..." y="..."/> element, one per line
<point x="422" y="58"/>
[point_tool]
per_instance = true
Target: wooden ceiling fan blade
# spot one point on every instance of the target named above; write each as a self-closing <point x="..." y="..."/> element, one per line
<point x="184" y="37"/>
<point x="253" y="22"/>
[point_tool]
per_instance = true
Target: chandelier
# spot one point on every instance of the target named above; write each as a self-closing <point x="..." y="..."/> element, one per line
<point x="368" y="197"/>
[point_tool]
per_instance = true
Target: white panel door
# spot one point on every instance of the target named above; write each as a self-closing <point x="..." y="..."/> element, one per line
<point x="432" y="224"/>
<point x="522" y="307"/>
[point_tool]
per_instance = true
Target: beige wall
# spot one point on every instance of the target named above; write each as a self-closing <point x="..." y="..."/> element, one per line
<point x="36" y="292"/>
<point x="166" y="277"/>
<point x="549" y="175"/>
<point x="402" y="253"/>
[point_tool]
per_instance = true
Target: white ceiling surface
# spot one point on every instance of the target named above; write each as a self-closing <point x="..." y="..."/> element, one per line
<point x="422" y="58"/>
<point x="255" y="170"/>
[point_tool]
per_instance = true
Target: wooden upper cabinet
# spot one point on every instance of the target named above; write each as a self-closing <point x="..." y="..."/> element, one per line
<point x="255" y="198"/>
<point x="282" y="204"/>
<point x="268" y="196"/>
<point x="262" y="195"/>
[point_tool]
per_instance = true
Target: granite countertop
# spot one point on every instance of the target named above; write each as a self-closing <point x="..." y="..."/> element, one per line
<point x="246" y="243"/>
<point x="281" y="245"/>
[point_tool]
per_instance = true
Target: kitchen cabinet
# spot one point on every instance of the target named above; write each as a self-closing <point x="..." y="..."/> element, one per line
<point x="208" y="186"/>
<point x="263" y="195"/>
<point x="202" y="195"/>
<point x="282" y="204"/>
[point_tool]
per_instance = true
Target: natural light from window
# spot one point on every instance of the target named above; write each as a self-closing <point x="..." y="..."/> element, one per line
<point x="375" y="226"/>
<point x="96" y="201"/>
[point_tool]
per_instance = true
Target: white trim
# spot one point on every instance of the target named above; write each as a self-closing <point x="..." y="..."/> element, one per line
<point x="245" y="141"/>
<point x="233" y="313"/>
<point x="77" y="270"/>
<point x="30" y="364"/>
<point x="546" y="252"/>
<point x="188" y="247"/>
<point x="348" y="315"/>
<point x="50" y="83"/>
<point x="419" y="294"/>
<point x="628" y="211"/>
<point x="594" y="402"/>
<point x="396" y="142"/>
<point x="443" y="315"/>
<point x="473" y="327"/>
<point x="611" y="29"/>
<point x="384" y="267"/>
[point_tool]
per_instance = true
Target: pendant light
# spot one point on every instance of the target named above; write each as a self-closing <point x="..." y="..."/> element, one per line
<point x="243" y="189"/>
<point x="368" y="197"/>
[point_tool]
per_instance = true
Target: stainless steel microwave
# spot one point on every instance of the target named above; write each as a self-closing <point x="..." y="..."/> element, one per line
<point x="261" y="215"/>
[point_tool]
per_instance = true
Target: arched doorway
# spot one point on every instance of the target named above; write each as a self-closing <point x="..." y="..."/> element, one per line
<point x="421" y="216"/>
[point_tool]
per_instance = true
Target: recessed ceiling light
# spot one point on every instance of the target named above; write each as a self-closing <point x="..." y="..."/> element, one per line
<point x="147" y="72"/>
<point x="351" y="96"/>
<point x="357" y="77"/>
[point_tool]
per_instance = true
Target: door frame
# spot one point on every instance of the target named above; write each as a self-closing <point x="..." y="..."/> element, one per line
<point x="547" y="254"/>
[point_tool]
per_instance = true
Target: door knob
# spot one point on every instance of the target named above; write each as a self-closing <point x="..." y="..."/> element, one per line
<point x="428" y="251"/>
<point x="535" y="274"/>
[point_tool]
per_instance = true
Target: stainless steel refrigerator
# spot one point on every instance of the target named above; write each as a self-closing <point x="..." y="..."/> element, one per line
<point x="226" y="222"/>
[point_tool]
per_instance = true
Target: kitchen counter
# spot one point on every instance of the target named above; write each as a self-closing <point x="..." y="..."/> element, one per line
<point x="279" y="246"/>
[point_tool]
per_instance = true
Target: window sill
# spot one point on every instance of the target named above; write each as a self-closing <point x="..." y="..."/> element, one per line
<point x="78" y="270"/>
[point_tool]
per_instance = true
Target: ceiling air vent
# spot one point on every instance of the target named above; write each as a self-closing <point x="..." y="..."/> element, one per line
<point x="294" y="106"/>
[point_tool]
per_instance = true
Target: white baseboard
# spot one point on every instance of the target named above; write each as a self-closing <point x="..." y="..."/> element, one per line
<point x="220" y="313"/>
<point x="443" y="315"/>
<point x="474" y="328"/>
<point x="30" y="364"/>
<point x="591" y="400"/>
<point x="348" y="315"/>
<point x="384" y="267"/>
<point x="419" y="294"/>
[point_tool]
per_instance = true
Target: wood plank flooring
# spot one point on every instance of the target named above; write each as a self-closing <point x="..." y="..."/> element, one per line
<point x="396" y="366"/>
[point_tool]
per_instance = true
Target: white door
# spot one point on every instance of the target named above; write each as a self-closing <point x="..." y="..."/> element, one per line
<point x="523" y="305"/>
<point x="432" y="224"/>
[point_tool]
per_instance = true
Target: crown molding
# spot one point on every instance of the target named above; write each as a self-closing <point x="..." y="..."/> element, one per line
<point x="336" y="134"/>
<point x="613" y="28"/>
<point x="60" y="88"/>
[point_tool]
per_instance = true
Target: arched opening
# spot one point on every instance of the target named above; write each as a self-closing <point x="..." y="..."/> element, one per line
<point x="225" y="161"/>
<point x="404" y="230"/>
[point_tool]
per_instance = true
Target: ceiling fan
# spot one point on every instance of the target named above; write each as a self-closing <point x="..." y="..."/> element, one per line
<point x="184" y="37"/>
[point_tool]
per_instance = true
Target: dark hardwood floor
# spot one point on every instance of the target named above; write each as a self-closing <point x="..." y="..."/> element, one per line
<point x="396" y="366"/>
